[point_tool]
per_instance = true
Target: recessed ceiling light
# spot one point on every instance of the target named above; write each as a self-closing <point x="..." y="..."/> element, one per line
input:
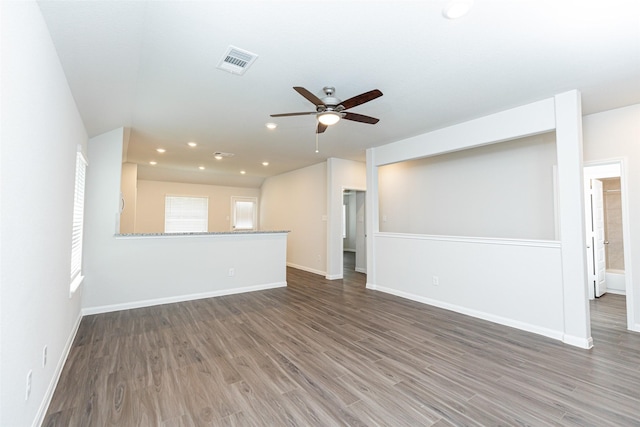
<point x="160" y="150"/>
<point x="201" y="168"/>
<point x="271" y="125"/>
<point x="455" y="9"/>
<point x="153" y="163"/>
<point x="192" y="144"/>
<point x="265" y="163"/>
<point x="243" y="172"/>
<point x="218" y="157"/>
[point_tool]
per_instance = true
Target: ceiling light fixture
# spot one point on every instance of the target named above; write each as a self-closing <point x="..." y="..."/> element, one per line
<point x="243" y="172"/>
<point x="265" y="163"/>
<point x="192" y="144"/>
<point x="455" y="9"/>
<point x="160" y="150"/>
<point x="329" y="118"/>
<point x="201" y="168"/>
<point x="218" y="157"/>
<point x="271" y="126"/>
<point x="153" y="163"/>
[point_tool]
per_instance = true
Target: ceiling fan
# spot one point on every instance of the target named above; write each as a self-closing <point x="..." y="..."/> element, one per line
<point x="329" y="109"/>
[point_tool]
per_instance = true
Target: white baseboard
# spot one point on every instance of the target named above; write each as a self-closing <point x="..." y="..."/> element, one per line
<point x="46" y="401"/>
<point x="616" y="291"/>
<point x="308" y="269"/>
<point x="371" y="286"/>
<point x="179" y="298"/>
<point x="635" y="327"/>
<point x="361" y="270"/>
<point x="551" y="333"/>
<point x="585" y="343"/>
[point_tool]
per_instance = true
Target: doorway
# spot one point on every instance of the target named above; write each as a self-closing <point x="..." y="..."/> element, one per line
<point x="353" y="230"/>
<point x="607" y="233"/>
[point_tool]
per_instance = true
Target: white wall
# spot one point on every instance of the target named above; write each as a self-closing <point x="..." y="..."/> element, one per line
<point x="296" y="201"/>
<point x="124" y="273"/>
<point x="500" y="190"/>
<point x="129" y="189"/>
<point x="615" y="134"/>
<point x="41" y="130"/>
<point x="151" y="197"/>
<point x="511" y="272"/>
<point x="341" y="174"/>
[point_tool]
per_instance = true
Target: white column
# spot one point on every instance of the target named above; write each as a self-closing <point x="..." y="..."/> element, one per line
<point x="372" y="225"/>
<point x="568" y="111"/>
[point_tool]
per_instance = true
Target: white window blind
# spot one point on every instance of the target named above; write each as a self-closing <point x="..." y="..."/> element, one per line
<point x="244" y="214"/>
<point x="78" y="222"/>
<point x="186" y="214"/>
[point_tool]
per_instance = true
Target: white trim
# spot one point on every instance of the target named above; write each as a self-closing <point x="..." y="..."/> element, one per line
<point x="551" y="333"/>
<point x="361" y="270"/>
<point x="179" y="298"/>
<point x="307" y="269"/>
<point x="333" y="276"/>
<point x="616" y="291"/>
<point x="578" y="341"/>
<point x="477" y="240"/>
<point x="202" y="234"/>
<point x="635" y="327"/>
<point x="46" y="400"/>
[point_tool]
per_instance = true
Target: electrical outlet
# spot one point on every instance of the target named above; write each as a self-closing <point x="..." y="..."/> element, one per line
<point x="436" y="281"/>
<point x="28" y="392"/>
<point x="44" y="356"/>
<point x="232" y="272"/>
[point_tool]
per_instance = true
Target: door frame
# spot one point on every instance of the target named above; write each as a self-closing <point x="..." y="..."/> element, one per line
<point x="601" y="169"/>
<point x="341" y="248"/>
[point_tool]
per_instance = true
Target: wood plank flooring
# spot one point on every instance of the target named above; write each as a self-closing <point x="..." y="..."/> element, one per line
<point x="328" y="353"/>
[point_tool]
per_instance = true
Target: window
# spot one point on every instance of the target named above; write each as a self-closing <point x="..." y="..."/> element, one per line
<point x="78" y="223"/>
<point x="244" y="213"/>
<point x="186" y="214"/>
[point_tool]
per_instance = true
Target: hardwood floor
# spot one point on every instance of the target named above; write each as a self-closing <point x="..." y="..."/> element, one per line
<point x="334" y="353"/>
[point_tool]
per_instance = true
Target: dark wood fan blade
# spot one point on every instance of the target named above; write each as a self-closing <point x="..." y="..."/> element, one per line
<point x="321" y="128"/>
<point x="293" y="114"/>
<point x="361" y="99"/>
<point x="310" y="97"/>
<point x="360" y="118"/>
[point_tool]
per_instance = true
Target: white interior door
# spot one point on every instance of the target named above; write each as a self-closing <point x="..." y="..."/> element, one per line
<point x="588" y="223"/>
<point x="599" y="261"/>
<point x="594" y="224"/>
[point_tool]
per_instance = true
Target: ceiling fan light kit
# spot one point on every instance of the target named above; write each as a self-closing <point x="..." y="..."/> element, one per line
<point x="329" y="118"/>
<point x="329" y="109"/>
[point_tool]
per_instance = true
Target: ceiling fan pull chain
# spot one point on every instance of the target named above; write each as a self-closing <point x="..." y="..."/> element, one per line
<point x="317" y="151"/>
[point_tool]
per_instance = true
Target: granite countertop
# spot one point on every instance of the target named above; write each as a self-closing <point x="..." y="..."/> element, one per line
<point x="208" y="233"/>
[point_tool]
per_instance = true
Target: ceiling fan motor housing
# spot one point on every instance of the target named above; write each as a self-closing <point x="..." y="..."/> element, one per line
<point x="331" y="103"/>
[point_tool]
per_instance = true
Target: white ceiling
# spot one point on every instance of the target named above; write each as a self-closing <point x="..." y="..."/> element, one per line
<point x="151" y="66"/>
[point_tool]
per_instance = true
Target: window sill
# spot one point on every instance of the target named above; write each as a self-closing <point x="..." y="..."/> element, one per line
<point x="75" y="285"/>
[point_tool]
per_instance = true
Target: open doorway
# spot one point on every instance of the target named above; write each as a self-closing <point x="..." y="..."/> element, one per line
<point x="606" y="222"/>
<point x="353" y="231"/>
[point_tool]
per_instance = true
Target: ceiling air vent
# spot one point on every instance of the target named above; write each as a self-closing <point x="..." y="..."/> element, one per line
<point x="219" y="155"/>
<point x="236" y="60"/>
